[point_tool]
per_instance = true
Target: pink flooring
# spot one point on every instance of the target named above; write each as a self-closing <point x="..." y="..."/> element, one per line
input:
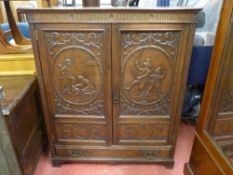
<point x="183" y="150"/>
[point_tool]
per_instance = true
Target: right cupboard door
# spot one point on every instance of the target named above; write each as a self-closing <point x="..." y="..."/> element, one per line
<point x="152" y="61"/>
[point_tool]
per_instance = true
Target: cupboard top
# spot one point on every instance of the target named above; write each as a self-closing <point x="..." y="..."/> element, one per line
<point x="112" y="15"/>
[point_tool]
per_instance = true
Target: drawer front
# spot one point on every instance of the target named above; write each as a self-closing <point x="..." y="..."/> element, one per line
<point x="144" y="132"/>
<point x="113" y="153"/>
<point x="223" y="127"/>
<point x="80" y="132"/>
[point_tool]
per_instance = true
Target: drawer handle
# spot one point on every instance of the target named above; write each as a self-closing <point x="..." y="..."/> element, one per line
<point x="151" y="154"/>
<point x="75" y="153"/>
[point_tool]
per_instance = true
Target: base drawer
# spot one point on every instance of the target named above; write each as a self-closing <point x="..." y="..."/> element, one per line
<point x="113" y="153"/>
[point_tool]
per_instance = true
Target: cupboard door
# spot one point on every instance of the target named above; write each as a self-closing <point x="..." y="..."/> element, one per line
<point x="221" y="124"/>
<point x="152" y="61"/>
<point x="75" y="61"/>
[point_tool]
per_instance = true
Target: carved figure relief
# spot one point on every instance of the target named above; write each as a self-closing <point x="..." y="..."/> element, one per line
<point x="82" y="131"/>
<point x="147" y="78"/>
<point x="77" y="71"/>
<point x="74" y="85"/>
<point x="148" y="62"/>
<point x="77" y="76"/>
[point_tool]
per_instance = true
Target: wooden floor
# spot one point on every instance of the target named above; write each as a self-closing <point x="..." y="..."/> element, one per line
<point x="183" y="150"/>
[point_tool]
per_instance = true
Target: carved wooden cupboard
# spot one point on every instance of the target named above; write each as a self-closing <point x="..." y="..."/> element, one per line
<point x="112" y="81"/>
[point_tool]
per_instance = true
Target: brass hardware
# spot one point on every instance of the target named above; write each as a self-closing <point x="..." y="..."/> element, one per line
<point x="75" y="153"/>
<point x="115" y="98"/>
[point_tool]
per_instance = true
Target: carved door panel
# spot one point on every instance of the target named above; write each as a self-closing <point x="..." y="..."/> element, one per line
<point x="76" y="66"/>
<point x="221" y="123"/>
<point x="146" y="99"/>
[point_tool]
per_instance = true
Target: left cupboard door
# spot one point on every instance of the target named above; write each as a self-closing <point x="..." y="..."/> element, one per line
<point x="75" y="63"/>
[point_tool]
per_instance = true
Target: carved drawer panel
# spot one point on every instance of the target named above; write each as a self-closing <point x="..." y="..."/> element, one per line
<point x="228" y="148"/>
<point x="114" y="153"/>
<point x="223" y="127"/>
<point x="143" y="133"/>
<point x="81" y="133"/>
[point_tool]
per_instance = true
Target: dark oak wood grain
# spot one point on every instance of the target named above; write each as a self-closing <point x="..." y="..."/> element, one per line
<point x="23" y="116"/>
<point x="9" y="164"/>
<point x="112" y="81"/>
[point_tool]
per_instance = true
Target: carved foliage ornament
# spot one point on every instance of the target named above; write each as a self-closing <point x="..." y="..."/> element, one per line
<point x="96" y="107"/>
<point x="148" y="62"/>
<point x="144" y="131"/>
<point x="223" y="128"/>
<point x="90" y="40"/>
<point x="169" y="40"/>
<point x="83" y="131"/>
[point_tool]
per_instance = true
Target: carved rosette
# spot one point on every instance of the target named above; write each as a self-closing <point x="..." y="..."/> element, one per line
<point x="147" y="71"/>
<point x="76" y="66"/>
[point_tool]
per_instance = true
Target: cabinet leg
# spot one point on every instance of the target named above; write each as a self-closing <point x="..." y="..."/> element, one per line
<point x="57" y="163"/>
<point x="169" y="165"/>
